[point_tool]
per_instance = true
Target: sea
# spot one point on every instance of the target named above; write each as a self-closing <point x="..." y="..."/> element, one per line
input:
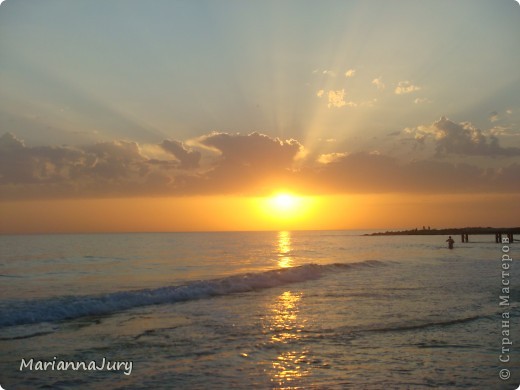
<point x="258" y="310"/>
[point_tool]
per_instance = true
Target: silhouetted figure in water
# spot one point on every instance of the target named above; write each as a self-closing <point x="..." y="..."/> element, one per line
<point x="450" y="242"/>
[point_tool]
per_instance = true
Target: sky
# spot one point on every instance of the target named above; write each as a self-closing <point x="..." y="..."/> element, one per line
<point x="123" y="115"/>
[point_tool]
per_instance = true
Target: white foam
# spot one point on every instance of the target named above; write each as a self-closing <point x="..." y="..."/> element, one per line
<point x="69" y="307"/>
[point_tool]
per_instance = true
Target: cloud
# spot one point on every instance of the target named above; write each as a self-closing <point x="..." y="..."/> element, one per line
<point x="253" y="150"/>
<point x="188" y="158"/>
<point x="9" y="141"/>
<point x="358" y="172"/>
<point x="112" y="160"/>
<point x="463" y="139"/>
<point x="374" y="173"/>
<point x="101" y="169"/>
<point x="336" y="98"/>
<point x="20" y="164"/>
<point x="235" y="163"/>
<point x="330" y="157"/>
<point x="421" y="100"/>
<point x="498" y="130"/>
<point x="350" y="73"/>
<point x="405" y="87"/>
<point x="378" y="82"/>
<point x="329" y="73"/>
<point x="493" y="117"/>
<point x="249" y="164"/>
<point x="118" y="168"/>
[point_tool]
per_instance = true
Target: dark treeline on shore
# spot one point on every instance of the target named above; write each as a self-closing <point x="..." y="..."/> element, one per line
<point x="449" y="231"/>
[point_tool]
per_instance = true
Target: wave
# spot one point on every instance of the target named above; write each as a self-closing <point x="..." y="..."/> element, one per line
<point x="70" y="307"/>
<point x="418" y="326"/>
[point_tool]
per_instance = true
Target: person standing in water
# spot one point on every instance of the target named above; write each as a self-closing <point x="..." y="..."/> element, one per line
<point x="450" y="242"/>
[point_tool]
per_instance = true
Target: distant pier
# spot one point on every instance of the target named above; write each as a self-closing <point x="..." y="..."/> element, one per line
<point x="498" y="237"/>
<point x="464" y="233"/>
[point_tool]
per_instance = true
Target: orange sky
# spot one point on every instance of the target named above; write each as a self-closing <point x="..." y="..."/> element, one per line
<point x="240" y="213"/>
<point x="172" y="116"/>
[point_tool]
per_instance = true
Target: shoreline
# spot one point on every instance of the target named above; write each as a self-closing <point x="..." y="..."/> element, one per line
<point x="447" y="231"/>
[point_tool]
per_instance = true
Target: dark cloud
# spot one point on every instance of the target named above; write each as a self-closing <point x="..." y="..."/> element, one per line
<point x="372" y="173"/>
<point x="119" y="168"/>
<point x="114" y="160"/>
<point x="8" y="141"/>
<point x="248" y="164"/>
<point x="360" y="172"/>
<point x="244" y="164"/>
<point x="493" y="116"/>
<point x="20" y="164"/>
<point x="465" y="139"/>
<point x="102" y="169"/>
<point x="255" y="149"/>
<point x="188" y="159"/>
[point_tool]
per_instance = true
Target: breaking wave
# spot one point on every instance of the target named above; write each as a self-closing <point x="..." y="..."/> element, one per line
<point x="70" y="307"/>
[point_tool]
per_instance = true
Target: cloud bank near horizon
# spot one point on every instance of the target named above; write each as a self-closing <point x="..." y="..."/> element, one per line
<point x="256" y="164"/>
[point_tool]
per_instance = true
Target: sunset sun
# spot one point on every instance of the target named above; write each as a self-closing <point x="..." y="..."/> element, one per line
<point x="286" y="207"/>
<point x="285" y="203"/>
<point x="271" y="194"/>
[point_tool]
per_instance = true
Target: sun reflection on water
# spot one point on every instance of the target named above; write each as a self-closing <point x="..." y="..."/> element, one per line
<point x="285" y="328"/>
<point x="284" y="249"/>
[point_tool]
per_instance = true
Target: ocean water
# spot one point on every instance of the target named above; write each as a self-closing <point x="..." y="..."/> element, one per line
<point x="283" y="310"/>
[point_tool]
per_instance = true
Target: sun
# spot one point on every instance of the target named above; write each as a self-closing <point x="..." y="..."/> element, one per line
<point x="284" y="202"/>
<point x="286" y="210"/>
<point x="284" y="206"/>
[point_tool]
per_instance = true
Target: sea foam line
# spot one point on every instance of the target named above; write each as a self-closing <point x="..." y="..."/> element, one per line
<point x="69" y="307"/>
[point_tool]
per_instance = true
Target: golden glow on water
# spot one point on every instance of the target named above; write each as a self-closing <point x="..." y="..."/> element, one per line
<point x="284" y="249"/>
<point x="284" y="324"/>
<point x="288" y="367"/>
<point x="285" y="328"/>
